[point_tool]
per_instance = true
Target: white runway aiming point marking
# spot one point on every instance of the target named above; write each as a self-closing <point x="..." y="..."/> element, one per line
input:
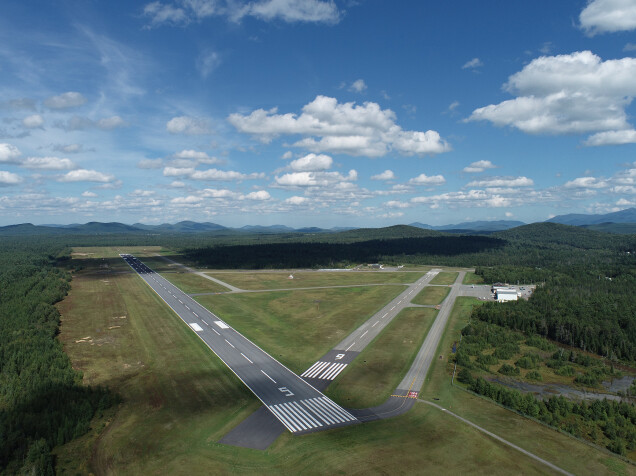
<point x="222" y="324"/>
<point x="196" y="327"/>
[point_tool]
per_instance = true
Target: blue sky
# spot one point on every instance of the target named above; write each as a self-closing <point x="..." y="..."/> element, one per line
<point x="315" y="112"/>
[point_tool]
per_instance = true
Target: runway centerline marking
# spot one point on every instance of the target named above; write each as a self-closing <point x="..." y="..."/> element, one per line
<point x="365" y="333"/>
<point x="229" y="343"/>
<point x="246" y="358"/>
<point x="268" y="376"/>
<point x="376" y="323"/>
<point x="350" y="346"/>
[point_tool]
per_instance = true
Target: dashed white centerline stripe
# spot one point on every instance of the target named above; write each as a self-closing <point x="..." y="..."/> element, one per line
<point x="229" y="343"/>
<point x="385" y="315"/>
<point x="215" y="331"/>
<point x="376" y="323"/>
<point x="350" y="346"/>
<point x="195" y="314"/>
<point x="246" y="358"/>
<point x="263" y="372"/>
<point x="365" y="333"/>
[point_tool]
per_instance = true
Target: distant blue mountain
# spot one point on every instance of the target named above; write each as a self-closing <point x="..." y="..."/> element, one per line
<point x="578" y="219"/>
<point x="481" y="226"/>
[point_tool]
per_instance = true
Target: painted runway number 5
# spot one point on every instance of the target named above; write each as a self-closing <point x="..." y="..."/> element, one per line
<point x="286" y="391"/>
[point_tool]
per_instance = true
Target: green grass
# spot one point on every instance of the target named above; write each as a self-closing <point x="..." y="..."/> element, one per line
<point x="179" y="400"/>
<point x="472" y="278"/>
<point x="378" y="370"/>
<point x="298" y="327"/>
<point x="431" y="295"/>
<point x="560" y="449"/>
<point x="310" y="279"/>
<point x="193" y="283"/>
<point x="445" y="277"/>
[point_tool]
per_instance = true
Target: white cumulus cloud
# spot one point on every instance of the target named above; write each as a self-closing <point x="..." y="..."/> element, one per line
<point x="259" y="195"/>
<point x="347" y="128"/>
<point x="296" y="200"/>
<point x="479" y="166"/>
<point x="110" y="123"/>
<point x="358" y="86"/>
<point x="33" y="122"/>
<point x="627" y="136"/>
<point x="48" y="163"/>
<point x="502" y="182"/>
<point x="473" y="64"/>
<point x="65" y="100"/>
<point x="386" y="175"/>
<point x="84" y="175"/>
<point x="311" y="162"/>
<point x="603" y="16"/>
<point x="9" y="153"/>
<point x="424" y="179"/>
<point x="188" y="125"/>
<point x="9" y="178"/>
<point x="575" y="93"/>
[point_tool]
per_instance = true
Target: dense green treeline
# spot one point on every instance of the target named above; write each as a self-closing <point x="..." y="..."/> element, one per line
<point x="608" y="423"/>
<point x="584" y="308"/>
<point x="304" y="255"/>
<point x="42" y="400"/>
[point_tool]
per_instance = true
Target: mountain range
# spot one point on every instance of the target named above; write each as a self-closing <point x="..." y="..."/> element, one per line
<point x="623" y="221"/>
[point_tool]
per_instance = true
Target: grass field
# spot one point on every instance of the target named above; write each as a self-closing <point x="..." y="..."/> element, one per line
<point x="378" y="370"/>
<point x="179" y="399"/>
<point x="560" y="449"/>
<point x="431" y="295"/>
<point x="310" y="279"/>
<point x="193" y="283"/>
<point x="298" y="327"/>
<point x="445" y="277"/>
<point x="472" y="278"/>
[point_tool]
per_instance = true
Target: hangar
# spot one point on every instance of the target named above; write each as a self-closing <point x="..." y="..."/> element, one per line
<point x="506" y="294"/>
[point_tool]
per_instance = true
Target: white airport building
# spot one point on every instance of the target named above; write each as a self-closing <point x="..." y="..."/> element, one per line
<point x="506" y="294"/>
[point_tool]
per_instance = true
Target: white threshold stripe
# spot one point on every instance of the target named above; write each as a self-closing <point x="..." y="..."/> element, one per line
<point x="323" y="416"/>
<point x="296" y="416"/>
<point x="315" y="422"/>
<point x="314" y="369"/>
<point x="332" y="371"/>
<point x="282" y="420"/>
<point x="330" y="411"/>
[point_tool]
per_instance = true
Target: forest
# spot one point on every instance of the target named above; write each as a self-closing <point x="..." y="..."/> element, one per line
<point x="42" y="400"/>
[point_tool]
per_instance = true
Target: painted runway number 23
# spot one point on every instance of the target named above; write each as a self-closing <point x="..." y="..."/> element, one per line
<point x="286" y="391"/>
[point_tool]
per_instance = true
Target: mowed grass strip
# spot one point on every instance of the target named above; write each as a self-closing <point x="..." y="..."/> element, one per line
<point x="445" y="277"/>
<point x="298" y="327"/>
<point x="431" y="295"/>
<point x="564" y="451"/>
<point x="375" y="374"/>
<point x="472" y="278"/>
<point x="177" y="395"/>
<point x="310" y="279"/>
<point x="193" y="283"/>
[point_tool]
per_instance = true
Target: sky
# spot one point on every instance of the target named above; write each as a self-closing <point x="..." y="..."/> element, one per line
<point x="324" y="113"/>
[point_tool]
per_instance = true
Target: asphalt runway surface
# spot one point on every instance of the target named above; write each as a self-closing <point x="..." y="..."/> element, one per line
<point x="297" y="405"/>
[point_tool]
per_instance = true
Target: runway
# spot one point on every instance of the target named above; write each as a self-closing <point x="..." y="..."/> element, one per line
<point x="296" y="404"/>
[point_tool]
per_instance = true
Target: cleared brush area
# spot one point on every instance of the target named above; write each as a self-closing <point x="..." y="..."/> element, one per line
<point x="378" y="370"/>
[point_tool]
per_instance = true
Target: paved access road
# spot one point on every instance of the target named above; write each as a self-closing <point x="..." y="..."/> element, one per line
<point x="299" y="406"/>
